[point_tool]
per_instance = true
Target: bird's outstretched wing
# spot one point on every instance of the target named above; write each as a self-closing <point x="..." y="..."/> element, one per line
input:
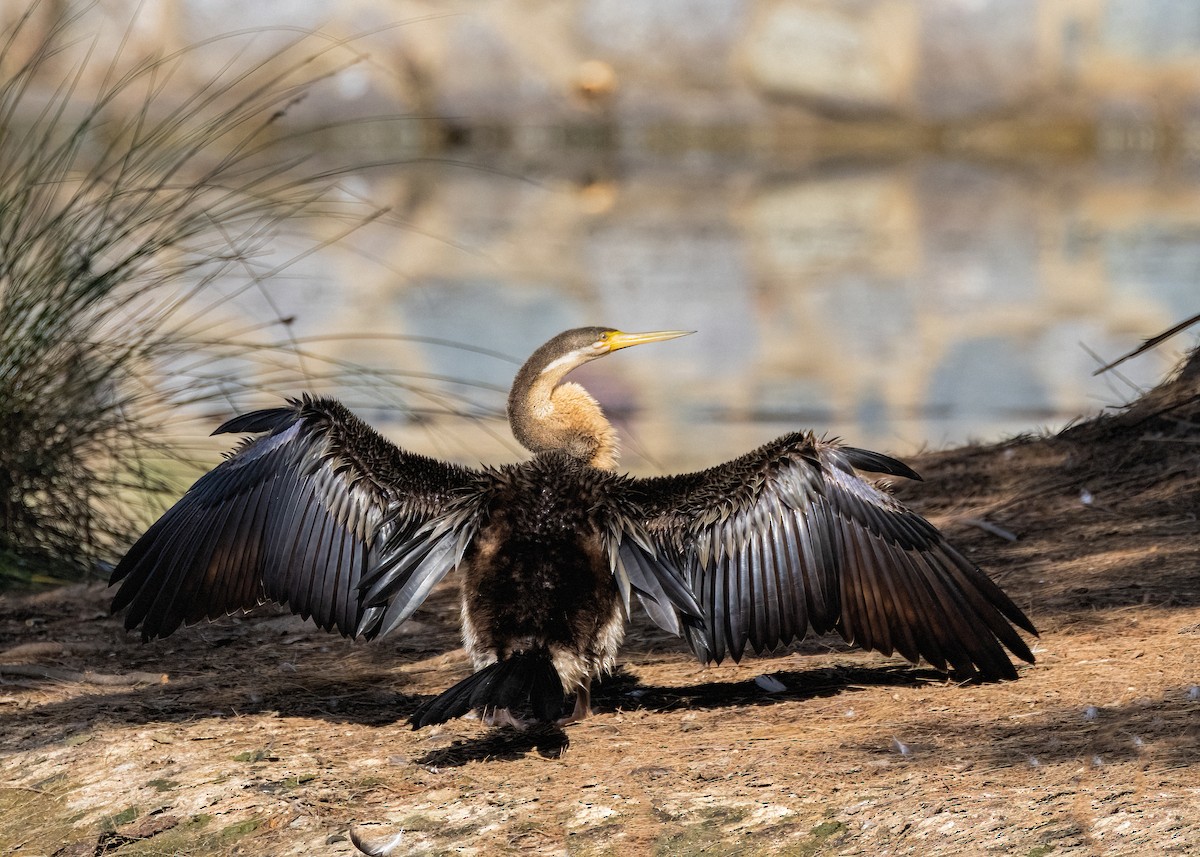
<point x="789" y="538"/>
<point x="320" y="513"/>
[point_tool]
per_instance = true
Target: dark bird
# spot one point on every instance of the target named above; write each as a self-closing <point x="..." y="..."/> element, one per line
<point x="326" y="516"/>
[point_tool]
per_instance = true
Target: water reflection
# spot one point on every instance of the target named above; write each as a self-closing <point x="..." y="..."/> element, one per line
<point x="903" y="305"/>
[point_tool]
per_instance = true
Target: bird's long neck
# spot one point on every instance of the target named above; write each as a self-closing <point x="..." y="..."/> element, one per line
<point x="547" y="415"/>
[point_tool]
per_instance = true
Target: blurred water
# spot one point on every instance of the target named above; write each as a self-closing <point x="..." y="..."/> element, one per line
<point x="903" y="305"/>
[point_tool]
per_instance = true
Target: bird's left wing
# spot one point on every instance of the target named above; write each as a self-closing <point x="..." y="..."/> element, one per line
<point x="789" y="538"/>
<point x="319" y="513"/>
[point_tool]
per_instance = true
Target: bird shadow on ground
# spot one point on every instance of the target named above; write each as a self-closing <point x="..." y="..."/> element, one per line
<point x="623" y="691"/>
<point x="503" y="744"/>
<point x="275" y="663"/>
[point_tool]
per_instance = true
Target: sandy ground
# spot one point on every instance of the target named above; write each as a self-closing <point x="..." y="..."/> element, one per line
<point x="262" y="735"/>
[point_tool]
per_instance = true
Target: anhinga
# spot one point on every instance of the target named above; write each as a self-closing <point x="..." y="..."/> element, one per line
<point x="324" y="515"/>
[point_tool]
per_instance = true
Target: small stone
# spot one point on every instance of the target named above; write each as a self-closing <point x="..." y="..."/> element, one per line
<point x="770" y="684"/>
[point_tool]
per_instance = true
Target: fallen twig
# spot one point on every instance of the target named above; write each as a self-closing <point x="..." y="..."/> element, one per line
<point x="989" y="527"/>
<point x="85" y="677"/>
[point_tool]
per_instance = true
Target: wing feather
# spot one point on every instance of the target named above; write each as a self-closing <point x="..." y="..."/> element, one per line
<point x="224" y="580"/>
<point x="175" y="545"/>
<point x="645" y="581"/>
<point x="813" y="542"/>
<point x="331" y="578"/>
<point x="903" y="619"/>
<point x="738" y="582"/>
<point x="856" y="615"/>
<point x="790" y="558"/>
<point x="790" y="538"/>
<point x="314" y="560"/>
<point x="194" y="568"/>
<point x="302" y="515"/>
<point x="767" y="605"/>
<point x="779" y="583"/>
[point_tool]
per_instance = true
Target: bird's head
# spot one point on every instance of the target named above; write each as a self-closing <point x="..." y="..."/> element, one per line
<point x="547" y="415"/>
<point x="573" y="348"/>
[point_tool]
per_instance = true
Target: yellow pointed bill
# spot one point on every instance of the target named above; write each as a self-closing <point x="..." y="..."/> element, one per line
<point x="618" y="339"/>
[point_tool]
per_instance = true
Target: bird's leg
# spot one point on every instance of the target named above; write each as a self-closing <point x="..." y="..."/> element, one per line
<point x="583" y="703"/>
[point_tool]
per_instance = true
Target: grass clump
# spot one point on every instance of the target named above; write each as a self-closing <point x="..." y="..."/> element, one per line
<point x="126" y="193"/>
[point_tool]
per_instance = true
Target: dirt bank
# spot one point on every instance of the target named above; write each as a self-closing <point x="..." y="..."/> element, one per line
<point x="262" y="735"/>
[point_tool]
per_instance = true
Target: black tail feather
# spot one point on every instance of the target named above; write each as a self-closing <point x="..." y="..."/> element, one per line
<point x="524" y="683"/>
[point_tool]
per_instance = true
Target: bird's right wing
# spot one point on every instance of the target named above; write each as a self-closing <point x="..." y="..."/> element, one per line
<point x="789" y="538"/>
<point x="321" y="513"/>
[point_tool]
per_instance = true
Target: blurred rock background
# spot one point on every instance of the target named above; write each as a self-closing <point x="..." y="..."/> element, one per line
<point x="903" y="222"/>
<point x="1007" y="77"/>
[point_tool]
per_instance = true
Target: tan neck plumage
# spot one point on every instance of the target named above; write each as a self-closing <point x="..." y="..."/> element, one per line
<point x="546" y="416"/>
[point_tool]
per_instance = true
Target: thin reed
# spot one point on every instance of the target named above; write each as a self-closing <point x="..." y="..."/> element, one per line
<point x="126" y="192"/>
